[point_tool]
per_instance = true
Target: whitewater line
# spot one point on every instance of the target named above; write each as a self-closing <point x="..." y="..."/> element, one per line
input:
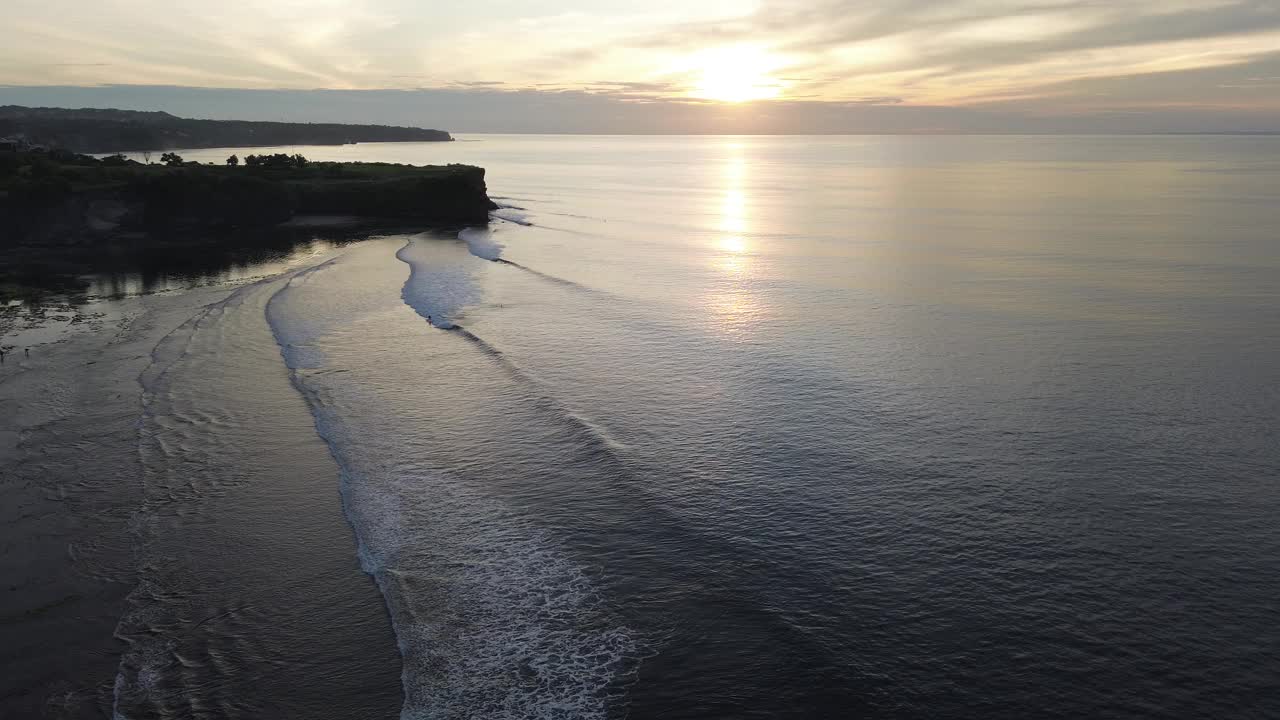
<point x="489" y="566"/>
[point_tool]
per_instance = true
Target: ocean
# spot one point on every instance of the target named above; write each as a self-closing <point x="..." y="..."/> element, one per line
<point x="705" y="427"/>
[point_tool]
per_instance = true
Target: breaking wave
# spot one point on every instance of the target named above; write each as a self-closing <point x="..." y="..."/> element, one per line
<point x="438" y="291"/>
<point x="481" y="243"/>
<point x="492" y="616"/>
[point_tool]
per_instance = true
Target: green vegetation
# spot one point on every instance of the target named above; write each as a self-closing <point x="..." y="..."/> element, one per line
<point x="40" y="188"/>
<point x="63" y="214"/>
<point x="278" y="160"/>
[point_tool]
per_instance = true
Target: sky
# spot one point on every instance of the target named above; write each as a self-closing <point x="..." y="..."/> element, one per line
<point x="662" y="65"/>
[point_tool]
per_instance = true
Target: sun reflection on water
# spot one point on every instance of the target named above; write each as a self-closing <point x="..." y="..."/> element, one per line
<point x="733" y="244"/>
<point x="733" y="301"/>
<point x="733" y="212"/>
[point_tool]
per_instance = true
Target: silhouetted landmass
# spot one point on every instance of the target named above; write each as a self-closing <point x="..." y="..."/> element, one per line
<point x="104" y="131"/>
<point x="59" y="210"/>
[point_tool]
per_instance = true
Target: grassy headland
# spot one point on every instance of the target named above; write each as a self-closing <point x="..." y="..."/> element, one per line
<point x="60" y="209"/>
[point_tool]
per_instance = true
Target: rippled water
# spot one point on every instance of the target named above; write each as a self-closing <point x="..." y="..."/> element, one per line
<point x="817" y="427"/>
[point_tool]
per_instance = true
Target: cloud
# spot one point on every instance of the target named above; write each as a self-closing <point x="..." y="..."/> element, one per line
<point x="926" y="51"/>
<point x="1034" y="55"/>
<point x="872" y="101"/>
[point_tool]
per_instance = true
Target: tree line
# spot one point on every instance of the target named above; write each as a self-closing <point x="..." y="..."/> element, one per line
<point x="276" y="160"/>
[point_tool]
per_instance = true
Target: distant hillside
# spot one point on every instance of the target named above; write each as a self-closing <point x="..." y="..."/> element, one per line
<point x="106" y="131"/>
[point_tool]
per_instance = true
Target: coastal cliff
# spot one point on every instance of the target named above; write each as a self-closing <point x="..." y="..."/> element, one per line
<point x="59" y="210"/>
<point x="47" y="196"/>
<point x="106" y="131"/>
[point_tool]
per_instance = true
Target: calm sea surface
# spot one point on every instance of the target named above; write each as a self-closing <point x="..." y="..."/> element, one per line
<point x="721" y="427"/>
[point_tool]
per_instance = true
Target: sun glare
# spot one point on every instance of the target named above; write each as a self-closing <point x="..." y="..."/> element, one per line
<point x="736" y="74"/>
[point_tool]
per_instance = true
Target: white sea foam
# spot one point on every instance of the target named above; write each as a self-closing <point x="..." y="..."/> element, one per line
<point x="297" y="342"/>
<point x="481" y="243"/>
<point x="492" y="616"/>
<point x="512" y="214"/>
<point x="437" y="290"/>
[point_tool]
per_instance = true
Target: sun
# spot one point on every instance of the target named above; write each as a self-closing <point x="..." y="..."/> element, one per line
<point x="735" y="74"/>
